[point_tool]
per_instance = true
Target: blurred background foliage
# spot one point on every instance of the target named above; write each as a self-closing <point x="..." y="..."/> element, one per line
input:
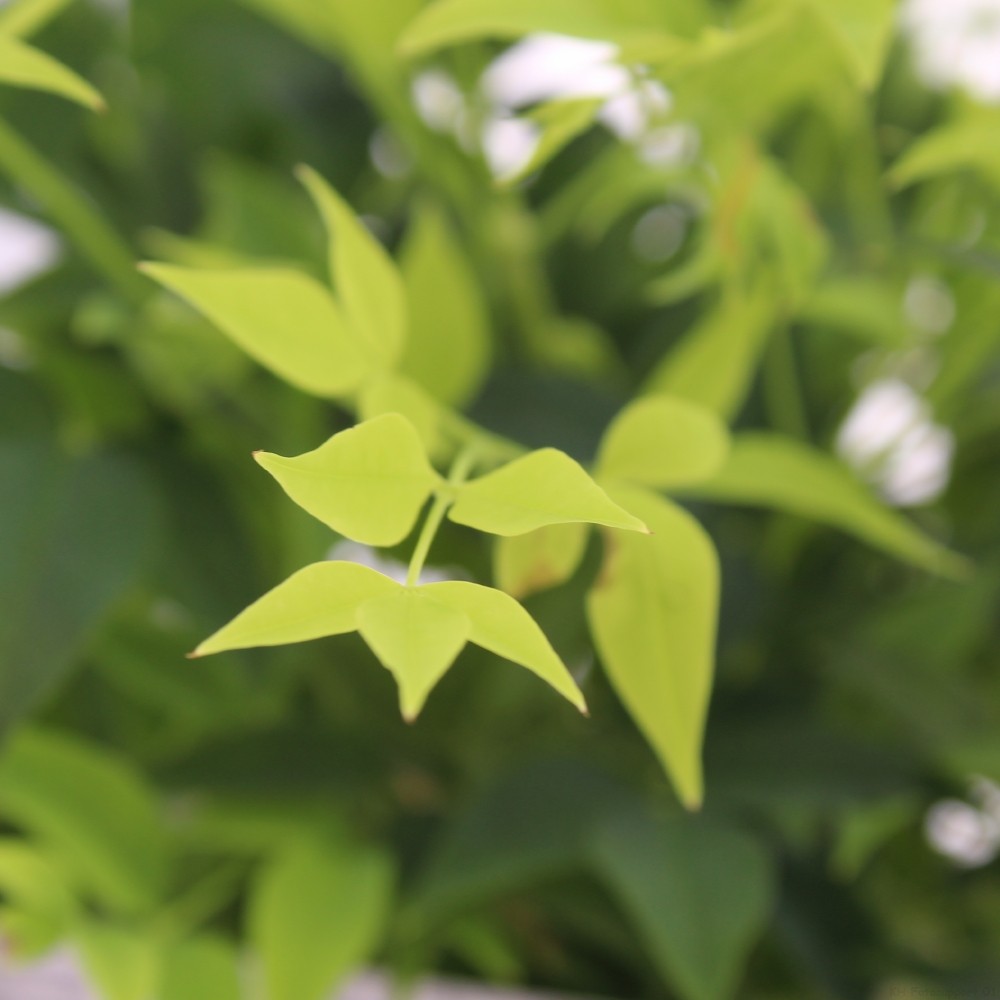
<point x="808" y="190"/>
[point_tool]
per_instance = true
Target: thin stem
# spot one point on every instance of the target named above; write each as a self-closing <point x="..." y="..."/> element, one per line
<point x="73" y="212"/>
<point x="445" y="498"/>
<point x="781" y="387"/>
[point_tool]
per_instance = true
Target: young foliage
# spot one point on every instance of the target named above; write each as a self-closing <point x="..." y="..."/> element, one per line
<point x="547" y="557"/>
<point x="367" y="483"/>
<point x="24" y="66"/>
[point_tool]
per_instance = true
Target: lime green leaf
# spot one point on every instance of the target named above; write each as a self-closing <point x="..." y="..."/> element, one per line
<point x="771" y="471"/>
<point x="699" y="894"/>
<point x="204" y="968"/>
<point x="653" y="613"/>
<point x="123" y="963"/>
<point x="526" y="564"/>
<point x="715" y="363"/>
<point x="865" y="307"/>
<point x="316" y="913"/>
<point x="502" y="626"/>
<point x="24" y="17"/>
<point x="38" y="906"/>
<point x="663" y="442"/>
<point x="367" y="483"/>
<point x="449" y="22"/>
<point x="364" y="275"/>
<point x="91" y="810"/>
<point x="285" y="320"/>
<point x="416" y="639"/>
<point x="391" y="393"/>
<point x="317" y="601"/>
<point x="449" y="348"/>
<point x="559" y="122"/>
<point x="544" y="487"/>
<point x="24" y="66"/>
<point x="863" y="30"/>
<point x="967" y="144"/>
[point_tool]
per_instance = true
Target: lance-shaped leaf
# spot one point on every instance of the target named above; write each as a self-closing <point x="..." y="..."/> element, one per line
<point x="25" y="66"/>
<point x="663" y="442"/>
<point x="23" y="18"/>
<point x="653" y="614"/>
<point x="317" y="601"/>
<point x="367" y="483"/>
<point x="448" y="349"/>
<point x="715" y="363"/>
<point x="316" y="914"/>
<point x="501" y="625"/>
<point x="416" y="639"/>
<point x="545" y="487"/>
<point x="283" y="319"/>
<point x="364" y="275"/>
<point x="772" y="471"/>
<point x="526" y="564"/>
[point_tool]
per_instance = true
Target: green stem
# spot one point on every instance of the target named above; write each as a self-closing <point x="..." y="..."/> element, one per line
<point x="445" y="498"/>
<point x="70" y="209"/>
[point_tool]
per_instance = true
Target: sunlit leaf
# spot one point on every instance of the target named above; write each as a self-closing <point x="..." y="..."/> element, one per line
<point x="653" y="614"/>
<point x="698" y="893"/>
<point x="91" y="810"/>
<point x="501" y="625"/>
<point x="38" y="904"/>
<point x="416" y="638"/>
<point x="525" y="564"/>
<point x="772" y="471"/>
<point x="448" y="350"/>
<point x="317" y="601"/>
<point x="24" y="17"/>
<point x="544" y="487"/>
<point x="965" y="144"/>
<point x="863" y="28"/>
<point x="24" y="66"/>
<point x="204" y="968"/>
<point x="559" y="123"/>
<point x="392" y="393"/>
<point x="364" y="276"/>
<point x="663" y="442"/>
<point x="715" y="363"/>
<point x="368" y="482"/>
<point x="316" y="914"/>
<point x="283" y="319"/>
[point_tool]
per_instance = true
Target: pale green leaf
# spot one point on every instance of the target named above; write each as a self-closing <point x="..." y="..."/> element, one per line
<point x="368" y="483"/>
<point x="416" y="639"/>
<point x="364" y="275"/>
<point x="450" y="22"/>
<point x="283" y="319"/>
<point x="699" y="894"/>
<point x="317" y="911"/>
<point x="663" y="442"/>
<point x="317" y="601"/>
<point x="715" y="363"/>
<point x="24" y="66"/>
<point x="392" y="393"/>
<point x="965" y="144"/>
<point x="204" y="968"/>
<point x="526" y="564"/>
<point x="544" y="487"/>
<point x="24" y="17"/>
<point x="864" y="307"/>
<point x="653" y="613"/>
<point x="559" y="123"/>
<point x="123" y="963"/>
<point x="38" y="904"/>
<point x="863" y="29"/>
<point x="449" y="348"/>
<point x="772" y="471"/>
<point x="501" y="625"/>
<point x="91" y="810"/>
